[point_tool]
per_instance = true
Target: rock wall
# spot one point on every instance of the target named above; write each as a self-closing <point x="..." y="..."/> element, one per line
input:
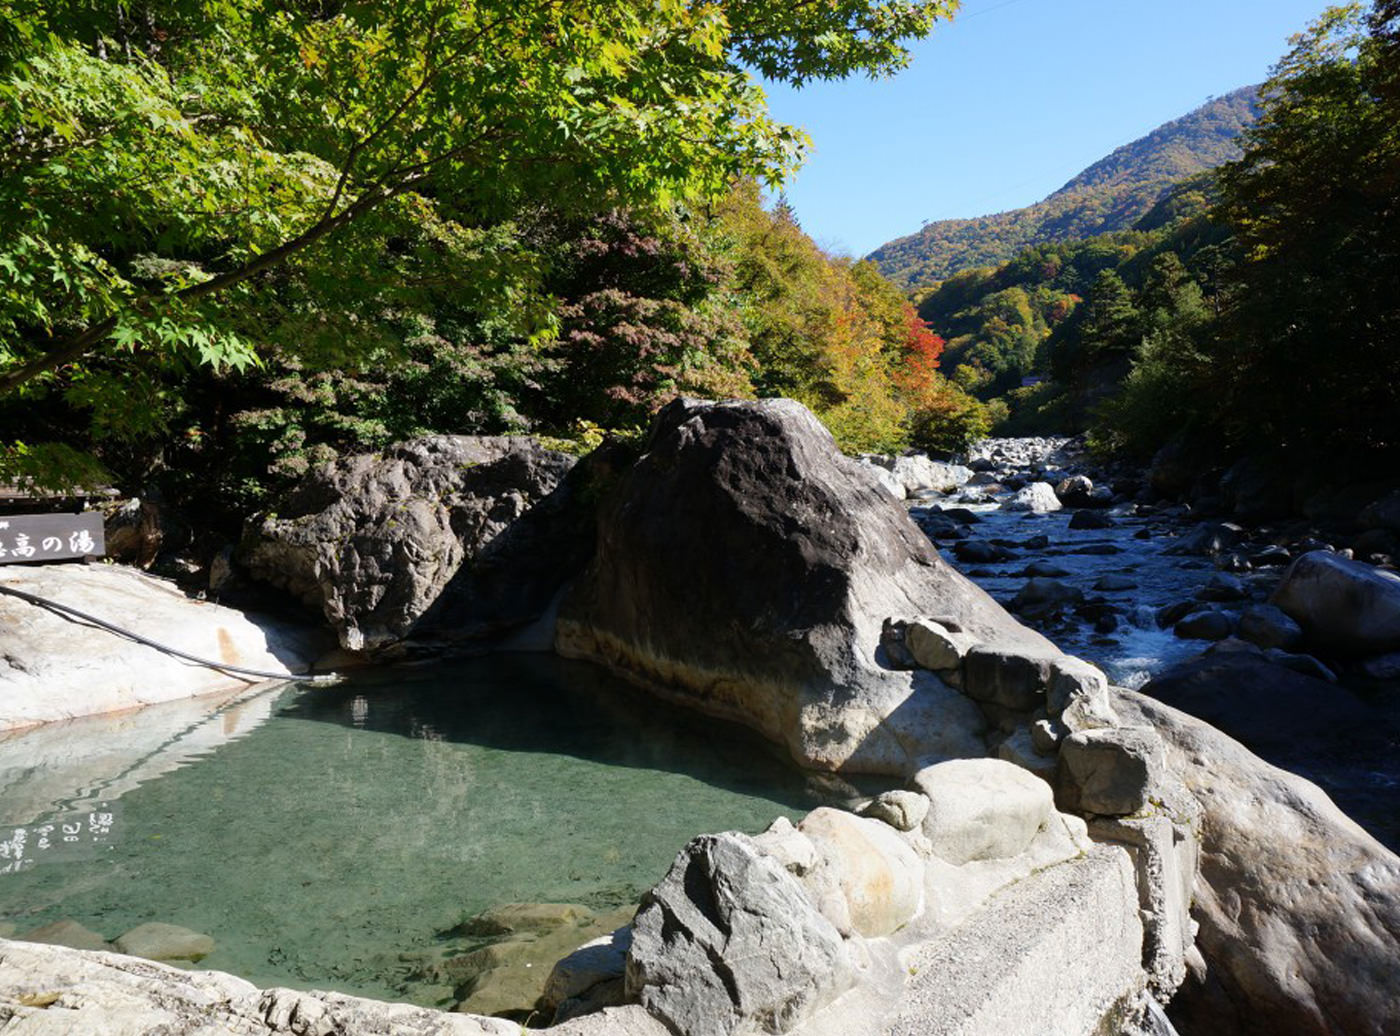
<point x="371" y="540"/>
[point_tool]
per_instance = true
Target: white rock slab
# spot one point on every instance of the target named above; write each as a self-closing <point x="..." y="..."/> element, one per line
<point x="53" y="668"/>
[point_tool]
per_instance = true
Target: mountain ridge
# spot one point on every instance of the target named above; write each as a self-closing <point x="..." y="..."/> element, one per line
<point x="1109" y="194"/>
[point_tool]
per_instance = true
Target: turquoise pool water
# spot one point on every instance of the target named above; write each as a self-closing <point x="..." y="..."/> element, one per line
<point x="323" y="836"/>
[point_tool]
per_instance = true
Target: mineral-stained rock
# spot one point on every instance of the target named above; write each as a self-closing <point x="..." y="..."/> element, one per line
<point x="729" y="939"/>
<point x="371" y="540"/>
<point x="1346" y="607"/>
<point x="879" y="876"/>
<point x="744" y="567"/>
<point x="982" y="809"/>
<point x="1299" y="908"/>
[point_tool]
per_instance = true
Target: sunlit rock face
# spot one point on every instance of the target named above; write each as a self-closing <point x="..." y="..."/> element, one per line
<point x="745" y="566"/>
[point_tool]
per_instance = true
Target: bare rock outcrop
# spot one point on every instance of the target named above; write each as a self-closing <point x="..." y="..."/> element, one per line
<point x="744" y="567"/>
<point x="371" y="540"/>
<point x="1298" y="907"/>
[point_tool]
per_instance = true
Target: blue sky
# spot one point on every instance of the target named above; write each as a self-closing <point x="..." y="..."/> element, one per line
<point x="1013" y="98"/>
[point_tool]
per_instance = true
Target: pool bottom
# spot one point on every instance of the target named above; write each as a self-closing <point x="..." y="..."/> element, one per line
<point x="343" y="841"/>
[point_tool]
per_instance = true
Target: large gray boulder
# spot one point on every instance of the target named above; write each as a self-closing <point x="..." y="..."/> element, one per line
<point x="745" y="567"/>
<point x="729" y="941"/>
<point x="1038" y="498"/>
<point x="371" y="540"/>
<point x="1299" y="908"/>
<point x="1344" y="607"/>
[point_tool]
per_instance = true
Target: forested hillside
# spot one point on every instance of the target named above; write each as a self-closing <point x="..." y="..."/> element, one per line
<point x="1110" y="195"/>
<point x="1254" y="310"/>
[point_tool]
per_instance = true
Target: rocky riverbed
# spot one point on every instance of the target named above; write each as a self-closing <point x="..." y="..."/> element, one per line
<point x="1194" y="609"/>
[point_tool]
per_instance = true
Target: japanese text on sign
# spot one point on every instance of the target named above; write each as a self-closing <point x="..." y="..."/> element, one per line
<point x="51" y="537"/>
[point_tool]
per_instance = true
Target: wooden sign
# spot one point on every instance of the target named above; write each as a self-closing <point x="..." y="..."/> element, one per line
<point x="50" y="537"/>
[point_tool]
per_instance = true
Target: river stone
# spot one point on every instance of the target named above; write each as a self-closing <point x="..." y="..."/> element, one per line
<point x="1078" y="695"/>
<point x="1269" y="627"/>
<point x="728" y="941"/>
<point x="1114" y="583"/>
<point x="980" y="552"/>
<point x="1222" y="586"/>
<point x="1205" y="625"/>
<point x="1383" y="513"/>
<point x="1207" y="539"/>
<point x="745" y="567"/>
<point x="1344" y="607"/>
<point x="1020" y="749"/>
<point x="900" y="809"/>
<point x="1091" y="520"/>
<point x="982" y="809"/>
<point x="1075" y="491"/>
<point x="1037" y="498"/>
<point x="934" y="646"/>
<point x="1040" y="597"/>
<point x="1113" y="772"/>
<point x="789" y="846"/>
<point x="1299" y="908"/>
<point x="371" y="540"/>
<point x="67" y="933"/>
<point x="1306" y="665"/>
<point x="527" y="917"/>
<point x="886" y="479"/>
<point x="917" y="472"/>
<point x="1046" y="735"/>
<point x="156" y="940"/>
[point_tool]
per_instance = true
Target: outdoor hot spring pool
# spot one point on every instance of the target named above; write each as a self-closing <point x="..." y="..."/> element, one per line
<point x="325" y="836"/>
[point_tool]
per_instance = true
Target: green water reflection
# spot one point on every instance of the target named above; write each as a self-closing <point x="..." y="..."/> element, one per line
<point x="357" y="822"/>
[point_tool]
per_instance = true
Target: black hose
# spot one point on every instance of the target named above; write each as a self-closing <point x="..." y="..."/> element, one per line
<point x="65" y="611"/>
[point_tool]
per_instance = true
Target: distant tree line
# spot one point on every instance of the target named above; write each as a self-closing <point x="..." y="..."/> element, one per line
<point x="1254" y="310"/>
